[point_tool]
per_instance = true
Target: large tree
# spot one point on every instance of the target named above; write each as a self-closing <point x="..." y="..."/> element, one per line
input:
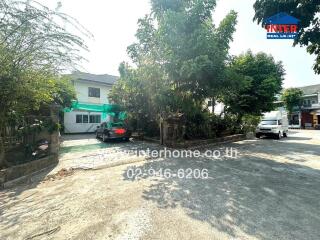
<point x="35" y="47"/>
<point x="292" y="98"/>
<point x="254" y="81"/>
<point x="179" y="56"/>
<point x="308" y="14"/>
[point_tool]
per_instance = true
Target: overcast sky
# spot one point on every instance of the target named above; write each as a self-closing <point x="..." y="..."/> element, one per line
<point x="114" y="22"/>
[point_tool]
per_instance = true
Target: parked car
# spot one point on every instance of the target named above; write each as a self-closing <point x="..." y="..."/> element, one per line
<point x="274" y="123"/>
<point x="110" y="130"/>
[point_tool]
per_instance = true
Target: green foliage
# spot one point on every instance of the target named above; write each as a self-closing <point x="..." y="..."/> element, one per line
<point x="250" y="123"/>
<point x="37" y="126"/>
<point x="31" y="36"/>
<point x="34" y="47"/>
<point x="292" y="97"/>
<point x="63" y="92"/>
<point x="255" y="80"/>
<point x="180" y="60"/>
<point x="308" y="14"/>
<point x="208" y="125"/>
<point x="51" y="126"/>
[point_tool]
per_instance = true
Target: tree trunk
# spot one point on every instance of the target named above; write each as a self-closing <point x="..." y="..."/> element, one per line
<point x="3" y="162"/>
<point x="239" y="120"/>
<point x="213" y="103"/>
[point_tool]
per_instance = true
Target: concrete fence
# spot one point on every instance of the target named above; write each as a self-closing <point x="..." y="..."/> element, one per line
<point x="23" y="171"/>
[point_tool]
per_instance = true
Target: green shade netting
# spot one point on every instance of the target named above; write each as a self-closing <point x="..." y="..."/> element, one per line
<point x="106" y="109"/>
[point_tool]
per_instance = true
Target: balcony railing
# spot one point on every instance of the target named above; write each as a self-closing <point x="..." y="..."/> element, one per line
<point x="312" y="105"/>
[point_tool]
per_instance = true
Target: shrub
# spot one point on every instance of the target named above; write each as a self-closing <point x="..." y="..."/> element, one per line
<point x="249" y="123"/>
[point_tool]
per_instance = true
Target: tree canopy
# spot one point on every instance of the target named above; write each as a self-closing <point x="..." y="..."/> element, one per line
<point x="256" y="79"/>
<point x="308" y="14"/>
<point x="292" y="98"/>
<point x="179" y="57"/>
<point x="36" y="45"/>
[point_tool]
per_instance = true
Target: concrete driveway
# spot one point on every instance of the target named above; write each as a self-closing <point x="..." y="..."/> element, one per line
<point x="271" y="190"/>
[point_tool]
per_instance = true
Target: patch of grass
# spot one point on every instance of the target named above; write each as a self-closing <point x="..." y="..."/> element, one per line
<point x="82" y="148"/>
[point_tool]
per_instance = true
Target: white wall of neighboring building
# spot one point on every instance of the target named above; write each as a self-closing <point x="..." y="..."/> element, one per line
<point x="81" y="88"/>
<point x="218" y="107"/>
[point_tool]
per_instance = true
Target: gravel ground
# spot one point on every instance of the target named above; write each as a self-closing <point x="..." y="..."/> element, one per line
<point x="271" y="190"/>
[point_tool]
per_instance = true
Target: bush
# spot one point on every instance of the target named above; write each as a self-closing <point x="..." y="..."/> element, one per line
<point x="202" y="125"/>
<point x="249" y="123"/>
<point x="198" y="126"/>
<point x="207" y="125"/>
<point x="148" y="127"/>
<point x="152" y="129"/>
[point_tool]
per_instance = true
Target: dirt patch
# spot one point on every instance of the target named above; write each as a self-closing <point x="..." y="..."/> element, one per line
<point x="60" y="174"/>
<point x="52" y="231"/>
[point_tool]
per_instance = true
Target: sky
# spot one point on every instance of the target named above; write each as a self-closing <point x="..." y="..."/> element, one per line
<point x="114" y="23"/>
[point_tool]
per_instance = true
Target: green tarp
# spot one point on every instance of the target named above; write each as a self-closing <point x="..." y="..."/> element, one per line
<point x="106" y="109"/>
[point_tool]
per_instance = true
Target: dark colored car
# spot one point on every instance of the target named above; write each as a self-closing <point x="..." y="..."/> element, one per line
<point x="109" y="130"/>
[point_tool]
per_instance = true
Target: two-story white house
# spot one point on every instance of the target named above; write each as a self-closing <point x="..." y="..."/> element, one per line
<point x="90" y="89"/>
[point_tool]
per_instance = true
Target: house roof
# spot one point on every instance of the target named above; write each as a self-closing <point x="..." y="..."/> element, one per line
<point x="281" y="18"/>
<point x="100" y="78"/>
<point x="312" y="89"/>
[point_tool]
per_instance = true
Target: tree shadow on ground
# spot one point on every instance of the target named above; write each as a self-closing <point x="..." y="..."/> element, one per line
<point x="10" y="197"/>
<point x="252" y="195"/>
<point x="290" y="138"/>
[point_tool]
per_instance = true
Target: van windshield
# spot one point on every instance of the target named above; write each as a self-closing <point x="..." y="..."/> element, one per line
<point x="268" y="122"/>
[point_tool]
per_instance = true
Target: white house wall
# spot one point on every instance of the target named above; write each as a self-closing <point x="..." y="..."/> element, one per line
<point x="71" y="126"/>
<point x="81" y="88"/>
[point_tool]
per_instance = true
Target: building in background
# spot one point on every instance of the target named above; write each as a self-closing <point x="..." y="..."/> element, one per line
<point x="308" y="114"/>
<point x="90" y="89"/>
<point x="305" y="116"/>
<point x="217" y="109"/>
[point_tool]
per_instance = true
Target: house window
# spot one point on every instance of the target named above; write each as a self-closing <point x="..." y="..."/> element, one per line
<point x="80" y="118"/>
<point x="85" y="118"/>
<point x="94" y="92"/>
<point x="95" y="118"/>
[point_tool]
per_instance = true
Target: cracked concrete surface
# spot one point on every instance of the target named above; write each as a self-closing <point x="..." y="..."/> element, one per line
<point x="271" y="191"/>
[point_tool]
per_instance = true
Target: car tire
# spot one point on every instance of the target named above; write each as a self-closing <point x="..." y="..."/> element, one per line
<point x="258" y="135"/>
<point x="279" y="135"/>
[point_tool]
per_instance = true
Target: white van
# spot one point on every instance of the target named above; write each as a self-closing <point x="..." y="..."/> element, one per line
<point x="273" y="123"/>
